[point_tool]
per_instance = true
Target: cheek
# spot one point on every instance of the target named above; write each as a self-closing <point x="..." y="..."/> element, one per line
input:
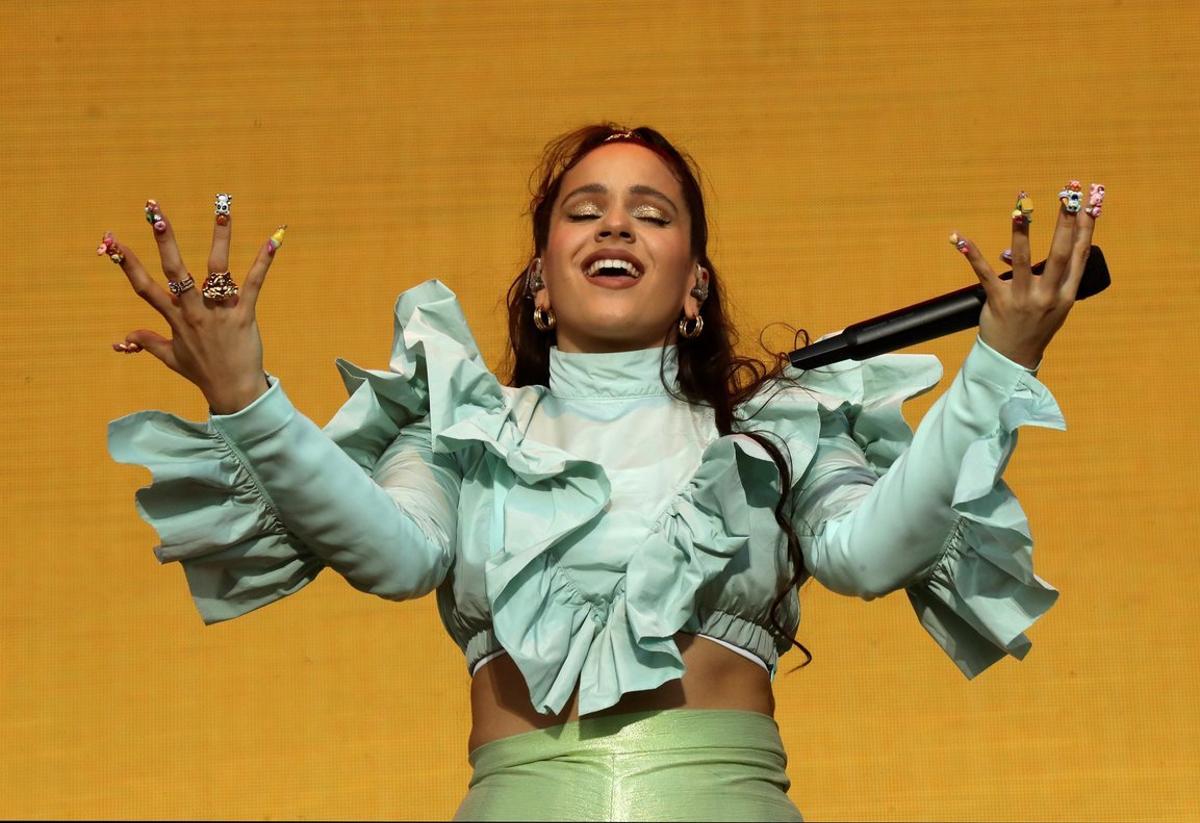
<point x="560" y="245"/>
<point x="674" y="255"/>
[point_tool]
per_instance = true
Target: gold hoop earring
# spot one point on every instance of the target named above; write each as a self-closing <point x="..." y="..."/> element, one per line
<point x="697" y="326"/>
<point x="544" y="319"/>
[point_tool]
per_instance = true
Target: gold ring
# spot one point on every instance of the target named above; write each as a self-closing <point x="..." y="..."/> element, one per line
<point x="219" y="286"/>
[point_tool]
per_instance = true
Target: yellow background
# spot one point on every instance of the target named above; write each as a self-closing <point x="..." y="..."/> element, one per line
<point x="841" y="144"/>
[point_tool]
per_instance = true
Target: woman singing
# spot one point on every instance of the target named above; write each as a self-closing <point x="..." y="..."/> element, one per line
<point x="617" y="533"/>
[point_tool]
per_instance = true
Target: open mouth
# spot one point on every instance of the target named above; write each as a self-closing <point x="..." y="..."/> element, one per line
<point x="613" y="267"/>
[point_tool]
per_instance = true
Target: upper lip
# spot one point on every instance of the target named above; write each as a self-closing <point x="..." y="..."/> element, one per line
<point x="613" y="254"/>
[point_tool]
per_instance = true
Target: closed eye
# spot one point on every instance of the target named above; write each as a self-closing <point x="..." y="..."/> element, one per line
<point x="659" y="221"/>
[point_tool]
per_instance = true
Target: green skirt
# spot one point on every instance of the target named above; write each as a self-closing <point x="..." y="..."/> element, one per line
<point x="674" y="764"/>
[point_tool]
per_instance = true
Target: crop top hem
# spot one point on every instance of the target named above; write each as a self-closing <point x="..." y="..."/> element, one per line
<point x="738" y="634"/>
<point x="753" y="658"/>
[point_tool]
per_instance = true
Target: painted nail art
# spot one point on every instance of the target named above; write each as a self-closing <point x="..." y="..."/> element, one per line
<point x="154" y="216"/>
<point x="109" y="246"/>
<point x="276" y="239"/>
<point x="1070" y="196"/>
<point x="1022" y="213"/>
<point x="1006" y="256"/>
<point x="959" y="243"/>
<point x="1095" y="200"/>
<point x="221" y="208"/>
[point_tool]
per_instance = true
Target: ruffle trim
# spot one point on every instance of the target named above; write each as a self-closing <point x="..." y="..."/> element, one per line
<point x="210" y="513"/>
<point x="982" y="594"/>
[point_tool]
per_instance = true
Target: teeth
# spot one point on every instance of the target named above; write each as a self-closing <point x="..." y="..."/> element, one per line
<point x="611" y="263"/>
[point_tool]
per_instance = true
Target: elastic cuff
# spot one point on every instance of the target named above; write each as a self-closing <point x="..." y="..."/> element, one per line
<point x="988" y="364"/>
<point x="269" y="412"/>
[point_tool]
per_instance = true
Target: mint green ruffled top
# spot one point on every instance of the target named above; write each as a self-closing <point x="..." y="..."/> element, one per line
<point x="579" y="526"/>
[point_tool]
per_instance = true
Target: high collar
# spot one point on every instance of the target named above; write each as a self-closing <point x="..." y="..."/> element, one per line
<point x="613" y="374"/>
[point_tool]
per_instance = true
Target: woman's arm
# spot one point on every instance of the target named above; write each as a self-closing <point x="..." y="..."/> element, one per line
<point x="391" y="534"/>
<point x="867" y="534"/>
<point x="254" y="504"/>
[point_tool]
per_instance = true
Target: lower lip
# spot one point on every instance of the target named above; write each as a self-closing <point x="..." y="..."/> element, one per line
<point x="614" y="282"/>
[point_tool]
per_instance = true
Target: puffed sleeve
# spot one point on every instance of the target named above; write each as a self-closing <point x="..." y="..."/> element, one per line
<point x="254" y="504"/>
<point x="880" y="508"/>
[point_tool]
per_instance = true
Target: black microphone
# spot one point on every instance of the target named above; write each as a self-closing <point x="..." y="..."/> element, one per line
<point x="935" y="317"/>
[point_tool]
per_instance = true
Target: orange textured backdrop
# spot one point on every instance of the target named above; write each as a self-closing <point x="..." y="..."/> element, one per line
<point x="841" y="144"/>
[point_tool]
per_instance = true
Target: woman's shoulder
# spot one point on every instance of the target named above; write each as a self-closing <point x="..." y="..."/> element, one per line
<point x="849" y="386"/>
<point x="437" y="375"/>
<point x="795" y="407"/>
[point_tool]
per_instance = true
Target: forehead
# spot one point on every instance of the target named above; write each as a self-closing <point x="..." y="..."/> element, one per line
<point x="621" y="165"/>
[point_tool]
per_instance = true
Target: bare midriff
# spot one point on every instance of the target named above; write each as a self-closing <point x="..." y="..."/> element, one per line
<point x="716" y="678"/>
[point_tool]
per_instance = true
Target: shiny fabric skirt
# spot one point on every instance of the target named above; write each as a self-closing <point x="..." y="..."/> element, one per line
<point x="672" y="764"/>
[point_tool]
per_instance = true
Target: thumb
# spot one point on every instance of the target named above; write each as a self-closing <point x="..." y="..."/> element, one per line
<point x="152" y="342"/>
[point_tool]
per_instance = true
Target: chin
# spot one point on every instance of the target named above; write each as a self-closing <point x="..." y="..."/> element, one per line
<point x="619" y="323"/>
<point x="628" y="337"/>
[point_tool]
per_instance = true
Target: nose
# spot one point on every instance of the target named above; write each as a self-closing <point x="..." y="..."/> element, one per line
<point x="615" y="223"/>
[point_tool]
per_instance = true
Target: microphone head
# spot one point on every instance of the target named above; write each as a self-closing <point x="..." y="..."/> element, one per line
<point x="1095" y="275"/>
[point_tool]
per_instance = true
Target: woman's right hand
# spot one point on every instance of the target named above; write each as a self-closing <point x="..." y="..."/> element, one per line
<point x="216" y="343"/>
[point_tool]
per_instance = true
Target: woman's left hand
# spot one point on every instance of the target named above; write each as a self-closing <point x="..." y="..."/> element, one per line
<point x="1021" y="315"/>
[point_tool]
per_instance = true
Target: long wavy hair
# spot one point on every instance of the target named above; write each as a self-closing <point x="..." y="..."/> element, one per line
<point x="710" y="373"/>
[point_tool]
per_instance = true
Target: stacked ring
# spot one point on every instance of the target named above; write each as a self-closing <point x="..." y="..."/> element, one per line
<point x="218" y="286"/>
<point x="178" y="287"/>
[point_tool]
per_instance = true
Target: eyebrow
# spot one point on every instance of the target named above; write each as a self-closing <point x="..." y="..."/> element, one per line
<point x="600" y="188"/>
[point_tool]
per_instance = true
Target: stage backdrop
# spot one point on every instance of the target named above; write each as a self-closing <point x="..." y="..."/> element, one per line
<point x="841" y="144"/>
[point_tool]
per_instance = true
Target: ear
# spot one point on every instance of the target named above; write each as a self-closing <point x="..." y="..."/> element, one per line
<point x="541" y="297"/>
<point x="697" y="282"/>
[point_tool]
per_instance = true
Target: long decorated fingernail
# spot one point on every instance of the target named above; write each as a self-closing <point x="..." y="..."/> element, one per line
<point x="108" y="246"/>
<point x="276" y="239"/>
<point x="1006" y="256"/>
<point x="1022" y="213"/>
<point x="959" y="243"/>
<point x="154" y="216"/>
<point x="221" y="208"/>
<point x="1070" y="196"/>
<point x="1095" y="200"/>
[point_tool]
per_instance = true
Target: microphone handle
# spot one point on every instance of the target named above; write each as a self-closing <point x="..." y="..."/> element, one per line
<point x="951" y="312"/>
<point x="945" y="314"/>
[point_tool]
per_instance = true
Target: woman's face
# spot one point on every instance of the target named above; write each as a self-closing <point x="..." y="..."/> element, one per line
<point x="621" y="202"/>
